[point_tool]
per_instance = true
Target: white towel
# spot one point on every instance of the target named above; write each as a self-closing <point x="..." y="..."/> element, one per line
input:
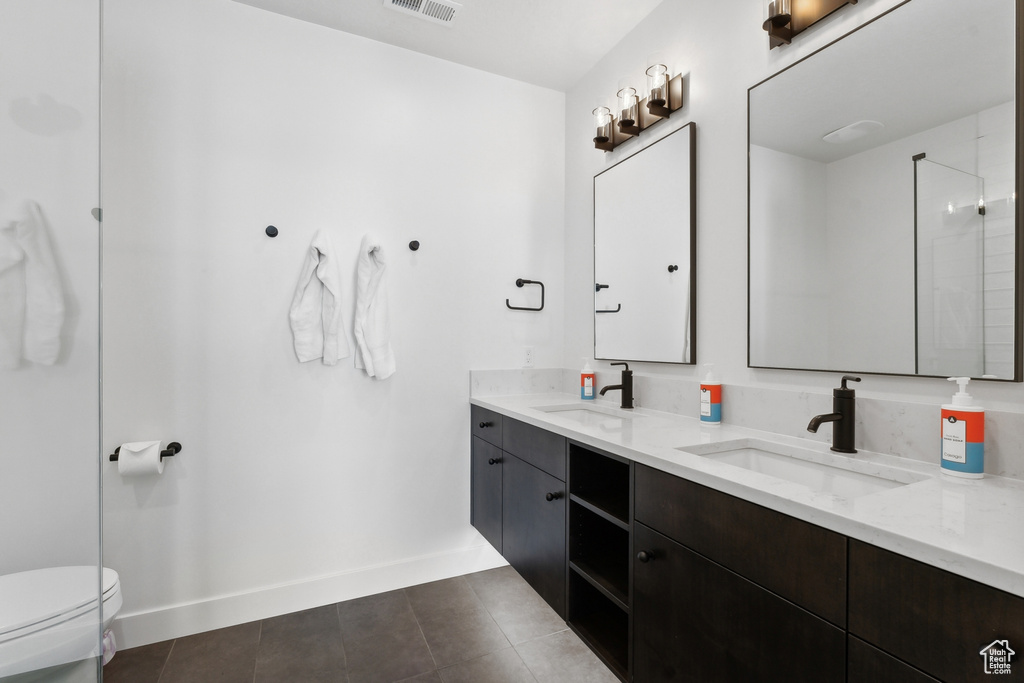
<point x="31" y="293"/>
<point x="372" y="325"/>
<point x="315" y="314"/>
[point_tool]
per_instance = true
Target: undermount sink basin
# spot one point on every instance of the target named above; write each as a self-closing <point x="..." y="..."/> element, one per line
<point x="592" y="415"/>
<point x="826" y="473"/>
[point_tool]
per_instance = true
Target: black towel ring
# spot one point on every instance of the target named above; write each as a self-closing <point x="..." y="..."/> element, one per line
<point x="519" y="283"/>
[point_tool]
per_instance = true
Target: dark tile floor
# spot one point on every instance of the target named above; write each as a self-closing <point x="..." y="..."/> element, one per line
<point x="488" y="627"/>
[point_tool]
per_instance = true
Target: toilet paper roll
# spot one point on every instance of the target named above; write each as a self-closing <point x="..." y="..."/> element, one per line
<point x="140" y="458"/>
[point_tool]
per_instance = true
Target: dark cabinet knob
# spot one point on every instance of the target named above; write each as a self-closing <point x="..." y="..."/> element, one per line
<point x="644" y="556"/>
<point x="673" y="269"/>
<point x="493" y="461"/>
<point x="485" y="425"/>
<point x="553" y="496"/>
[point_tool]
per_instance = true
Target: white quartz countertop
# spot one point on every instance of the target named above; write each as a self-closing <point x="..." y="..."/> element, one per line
<point x="974" y="528"/>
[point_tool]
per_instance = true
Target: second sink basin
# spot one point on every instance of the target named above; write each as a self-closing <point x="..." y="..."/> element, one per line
<point x="834" y="475"/>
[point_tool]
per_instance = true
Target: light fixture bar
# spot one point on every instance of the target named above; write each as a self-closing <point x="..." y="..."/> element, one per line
<point x="647" y="116"/>
<point x="787" y="18"/>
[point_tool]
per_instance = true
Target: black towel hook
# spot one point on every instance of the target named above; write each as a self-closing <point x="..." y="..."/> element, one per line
<point x="519" y="283"/>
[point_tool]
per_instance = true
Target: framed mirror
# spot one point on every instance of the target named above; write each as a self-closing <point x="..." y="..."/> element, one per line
<point x="644" y="254"/>
<point x="884" y="231"/>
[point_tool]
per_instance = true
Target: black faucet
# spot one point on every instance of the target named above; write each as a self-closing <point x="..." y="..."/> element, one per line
<point x="844" y="414"/>
<point x="626" y="385"/>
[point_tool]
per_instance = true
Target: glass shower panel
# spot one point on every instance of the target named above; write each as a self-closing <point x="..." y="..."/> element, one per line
<point x="49" y="331"/>
<point x="950" y="271"/>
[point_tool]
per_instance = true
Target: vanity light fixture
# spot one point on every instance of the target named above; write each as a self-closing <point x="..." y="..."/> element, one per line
<point x="787" y="18"/>
<point x="665" y="95"/>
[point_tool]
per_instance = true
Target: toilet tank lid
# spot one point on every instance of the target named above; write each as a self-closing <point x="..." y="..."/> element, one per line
<point x="33" y="596"/>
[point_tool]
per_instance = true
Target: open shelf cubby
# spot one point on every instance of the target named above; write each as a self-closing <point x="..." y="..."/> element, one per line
<point x="600" y="622"/>
<point x="599" y="550"/>
<point x="600" y="481"/>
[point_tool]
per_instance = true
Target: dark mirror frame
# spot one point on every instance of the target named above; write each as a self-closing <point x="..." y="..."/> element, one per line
<point x="688" y="129"/>
<point x="1018" y="335"/>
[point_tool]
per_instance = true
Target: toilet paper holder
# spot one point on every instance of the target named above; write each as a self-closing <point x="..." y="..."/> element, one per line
<point x="173" y="448"/>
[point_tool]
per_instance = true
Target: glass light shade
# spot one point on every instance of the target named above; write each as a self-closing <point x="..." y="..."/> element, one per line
<point x="657" y="84"/>
<point x="603" y="123"/>
<point x="628" y="102"/>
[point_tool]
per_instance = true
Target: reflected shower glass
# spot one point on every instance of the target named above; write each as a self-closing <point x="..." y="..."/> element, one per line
<point x="49" y="328"/>
<point x="964" y="275"/>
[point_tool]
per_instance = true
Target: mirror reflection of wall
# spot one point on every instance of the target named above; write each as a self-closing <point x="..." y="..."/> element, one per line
<point x="643" y="254"/>
<point x="833" y="141"/>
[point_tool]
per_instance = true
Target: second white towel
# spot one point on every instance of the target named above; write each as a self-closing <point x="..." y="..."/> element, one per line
<point x="372" y="324"/>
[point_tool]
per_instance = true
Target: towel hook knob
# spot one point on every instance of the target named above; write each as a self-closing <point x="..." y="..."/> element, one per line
<point x="271" y="231"/>
<point x="414" y="245"/>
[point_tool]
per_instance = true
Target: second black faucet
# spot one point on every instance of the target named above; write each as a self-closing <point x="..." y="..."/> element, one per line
<point x="843" y="417"/>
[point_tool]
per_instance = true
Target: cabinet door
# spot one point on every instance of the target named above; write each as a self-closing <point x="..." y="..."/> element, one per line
<point x="694" y="620"/>
<point x="485" y="509"/>
<point x="533" y="535"/>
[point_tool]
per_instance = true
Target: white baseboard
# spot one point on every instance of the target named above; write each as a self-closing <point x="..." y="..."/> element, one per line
<point x="143" y="628"/>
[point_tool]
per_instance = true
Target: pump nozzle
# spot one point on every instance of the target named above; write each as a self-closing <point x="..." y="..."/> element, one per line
<point x="709" y="378"/>
<point x="961" y="398"/>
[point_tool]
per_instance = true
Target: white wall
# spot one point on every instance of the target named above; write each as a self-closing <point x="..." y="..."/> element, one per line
<point x="219" y="120"/>
<point x="49" y="414"/>
<point x="790" y="277"/>
<point x="723" y="51"/>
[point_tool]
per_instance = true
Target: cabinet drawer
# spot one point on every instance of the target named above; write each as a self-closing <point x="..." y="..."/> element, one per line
<point x="866" y="664"/>
<point x="694" y="620"/>
<point x="486" y="424"/>
<point x="797" y="560"/>
<point x="542" y="449"/>
<point x="934" y="620"/>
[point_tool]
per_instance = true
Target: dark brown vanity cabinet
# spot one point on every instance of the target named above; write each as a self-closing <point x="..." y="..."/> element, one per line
<point x="669" y="580"/>
<point x="936" y="622"/>
<point x="725" y="590"/>
<point x="519" y="499"/>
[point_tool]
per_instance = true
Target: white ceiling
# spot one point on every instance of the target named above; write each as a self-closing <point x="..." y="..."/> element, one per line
<point x="550" y="43"/>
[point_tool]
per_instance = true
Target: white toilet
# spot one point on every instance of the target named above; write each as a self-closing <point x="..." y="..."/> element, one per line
<point x="50" y="622"/>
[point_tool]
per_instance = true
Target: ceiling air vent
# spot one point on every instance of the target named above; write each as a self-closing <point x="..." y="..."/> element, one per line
<point x="437" y="11"/>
